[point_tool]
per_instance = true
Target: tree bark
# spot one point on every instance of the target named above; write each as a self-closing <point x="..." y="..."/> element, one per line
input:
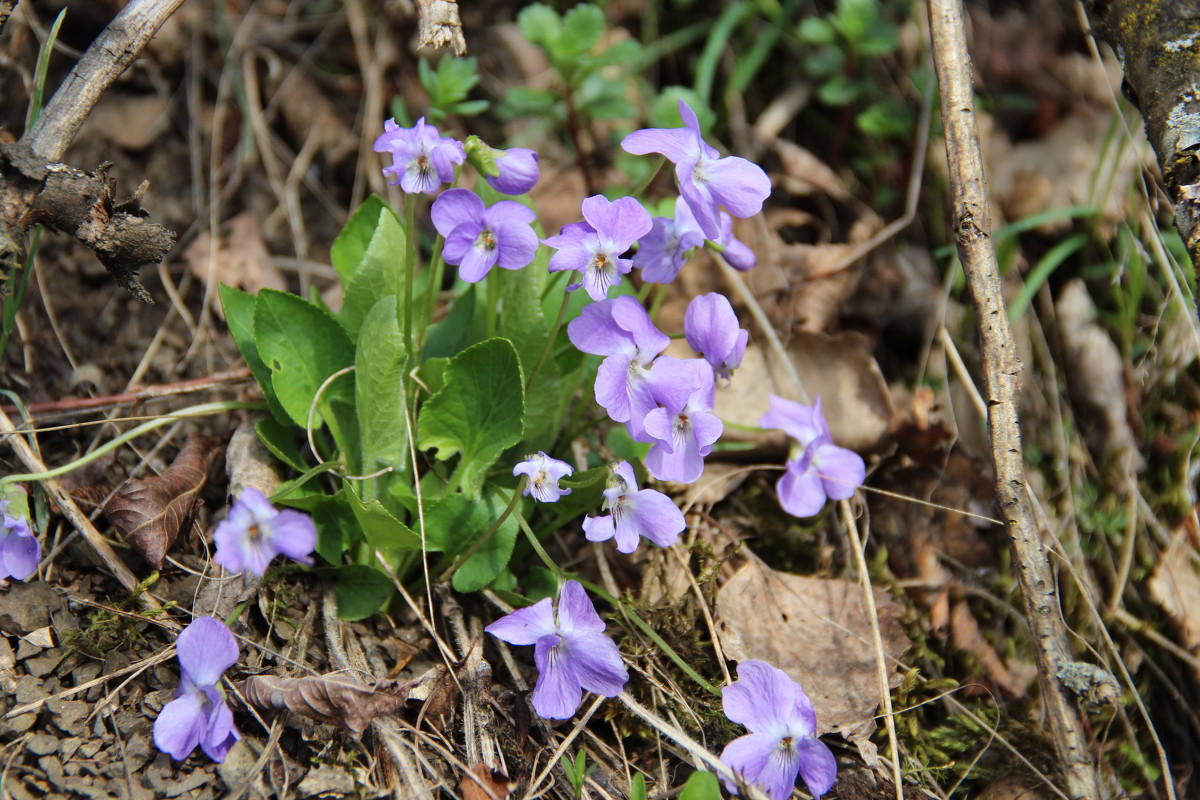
<point x="1002" y="383"/>
<point x="1158" y="42"/>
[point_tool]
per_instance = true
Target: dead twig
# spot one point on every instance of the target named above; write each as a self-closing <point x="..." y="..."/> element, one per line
<point x="1002" y="369"/>
<point x="438" y="26"/>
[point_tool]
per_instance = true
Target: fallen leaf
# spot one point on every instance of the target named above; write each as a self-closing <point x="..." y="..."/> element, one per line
<point x="965" y="635"/>
<point x="1095" y="372"/>
<point x="817" y="631"/>
<point x="131" y="121"/>
<point x="839" y="369"/>
<point x="328" y="699"/>
<point x="150" y="513"/>
<point x="240" y="259"/>
<point x="485" y="783"/>
<point x="1175" y="586"/>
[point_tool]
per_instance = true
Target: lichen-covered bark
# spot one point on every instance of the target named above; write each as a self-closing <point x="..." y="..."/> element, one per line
<point x="1158" y="42"/>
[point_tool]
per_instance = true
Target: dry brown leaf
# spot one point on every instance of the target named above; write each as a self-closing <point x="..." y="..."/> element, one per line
<point x="817" y="631"/>
<point x="131" y="121"/>
<point x="1175" y="585"/>
<point x="150" y="513"/>
<point x="485" y="783"/>
<point x="965" y="635"/>
<point x="241" y="259"/>
<point x="310" y="113"/>
<point x="328" y="699"/>
<point x="1096" y="379"/>
<point x="805" y="174"/>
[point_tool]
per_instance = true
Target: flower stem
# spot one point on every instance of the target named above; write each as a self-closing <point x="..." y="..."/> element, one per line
<point x="550" y="340"/>
<point x="192" y="411"/>
<point x="433" y="288"/>
<point x="410" y="238"/>
<point x="645" y="628"/>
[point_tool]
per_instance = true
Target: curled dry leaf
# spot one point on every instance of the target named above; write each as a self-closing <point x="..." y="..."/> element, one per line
<point x="817" y="631"/>
<point x="485" y="783"/>
<point x="328" y="699"/>
<point x="150" y="513"/>
<point x="1096" y="378"/>
<point x="1175" y="586"/>
<point x="240" y="258"/>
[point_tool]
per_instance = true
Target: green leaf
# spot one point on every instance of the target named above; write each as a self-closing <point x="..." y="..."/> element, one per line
<point x="840" y="90"/>
<point x="524" y="324"/>
<point x="637" y="787"/>
<point x="479" y="413"/>
<point x="302" y="345"/>
<point x="539" y="24"/>
<point x="280" y="439"/>
<point x="379" y="272"/>
<point x="448" y="337"/>
<point x="239" y="316"/>
<point x="381" y="530"/>
<point x="379" y="388"/>
<point x="523" y="101"/>
<point x="816" y="31"/>
<point x="582" y="28"/>
<point x="333" y="519"/>
<point x="470" y="108"/>
<point x="350" y="247"/>
<point x="361" y="591"/>
<point x="701" y="785"/>
<point x="18" y="500"/>
<point x="456" y="523"/>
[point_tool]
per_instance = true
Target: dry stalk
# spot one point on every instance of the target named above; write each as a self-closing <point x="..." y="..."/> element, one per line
<point x="1002" y="368"/>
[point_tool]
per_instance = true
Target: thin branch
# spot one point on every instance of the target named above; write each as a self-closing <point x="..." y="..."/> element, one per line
<point x="107" y="57"/>
<point x="1002" y="369"/>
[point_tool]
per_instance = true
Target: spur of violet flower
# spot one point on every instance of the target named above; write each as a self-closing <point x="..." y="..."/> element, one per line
<point x="663" y="251"/>
<point x="255" y="532"/>
<point x="198" y="714"/>
<point x="422" y="159"/>
<point x="544" y="474"/>
<point x="480" y="237"/>
<point x="817" y="469"/>
<point x="594" y="247"/>
<point x="20" y="551"/>
<point x="783" y="734"/>
<point x="706" y="181"/>
<point x="711" y="327"/>
<point x="622" y="331"/>
<point x="570" y="650"/>
<point x="682" y="430"/>
<point x="634" y="514"/>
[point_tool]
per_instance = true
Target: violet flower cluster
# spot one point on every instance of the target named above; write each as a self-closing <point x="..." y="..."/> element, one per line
<point x="198" y="715"/>
<point x="20" y="551"/>
<point x="255" y="532"/>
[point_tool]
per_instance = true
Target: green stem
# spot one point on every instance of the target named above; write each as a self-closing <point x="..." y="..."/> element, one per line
<point x="537" y="547"/>
<point x="555" y="279"/>
<point x="650" y="178"/>
<point x="433" y="288"/>
<point x="410" y="225"/>
<point x="541" y="362"/>
<point x="482" y="540"/>
<point x="192" y="411"/>
<point x="493" y="302"/>
<point x="645" y="628"/>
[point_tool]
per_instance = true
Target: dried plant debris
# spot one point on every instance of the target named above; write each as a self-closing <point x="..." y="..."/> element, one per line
<point x="817" y="631"/>
<point x="150" y="513"/>
<point x="1175" y="585"/>
<point x="328" y="699"/>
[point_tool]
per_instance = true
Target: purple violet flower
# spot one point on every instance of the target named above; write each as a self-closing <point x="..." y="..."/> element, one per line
<point x="817" y="469"/>
<point x="634" y="514"/>
<point x="711" y="328"/>
<point x="255" y="532"/>
<point x="544" y="474"/>
<point x="20" y="551"/>
<point x="479" y="238"/>
<point x="594" y="247"/>
<point x="422" y="159"/>
<point x="681" y="428"/>
<point x="782" y="741"/>
<point x="706" y="180"/>
<point x="736" y="253"/>
<point x="571" y="651"/>
<point x="621" y="330"/>
<point x="518" y="170"/>
<point x="664" y="250"/>
<point x="198" y="714"/>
